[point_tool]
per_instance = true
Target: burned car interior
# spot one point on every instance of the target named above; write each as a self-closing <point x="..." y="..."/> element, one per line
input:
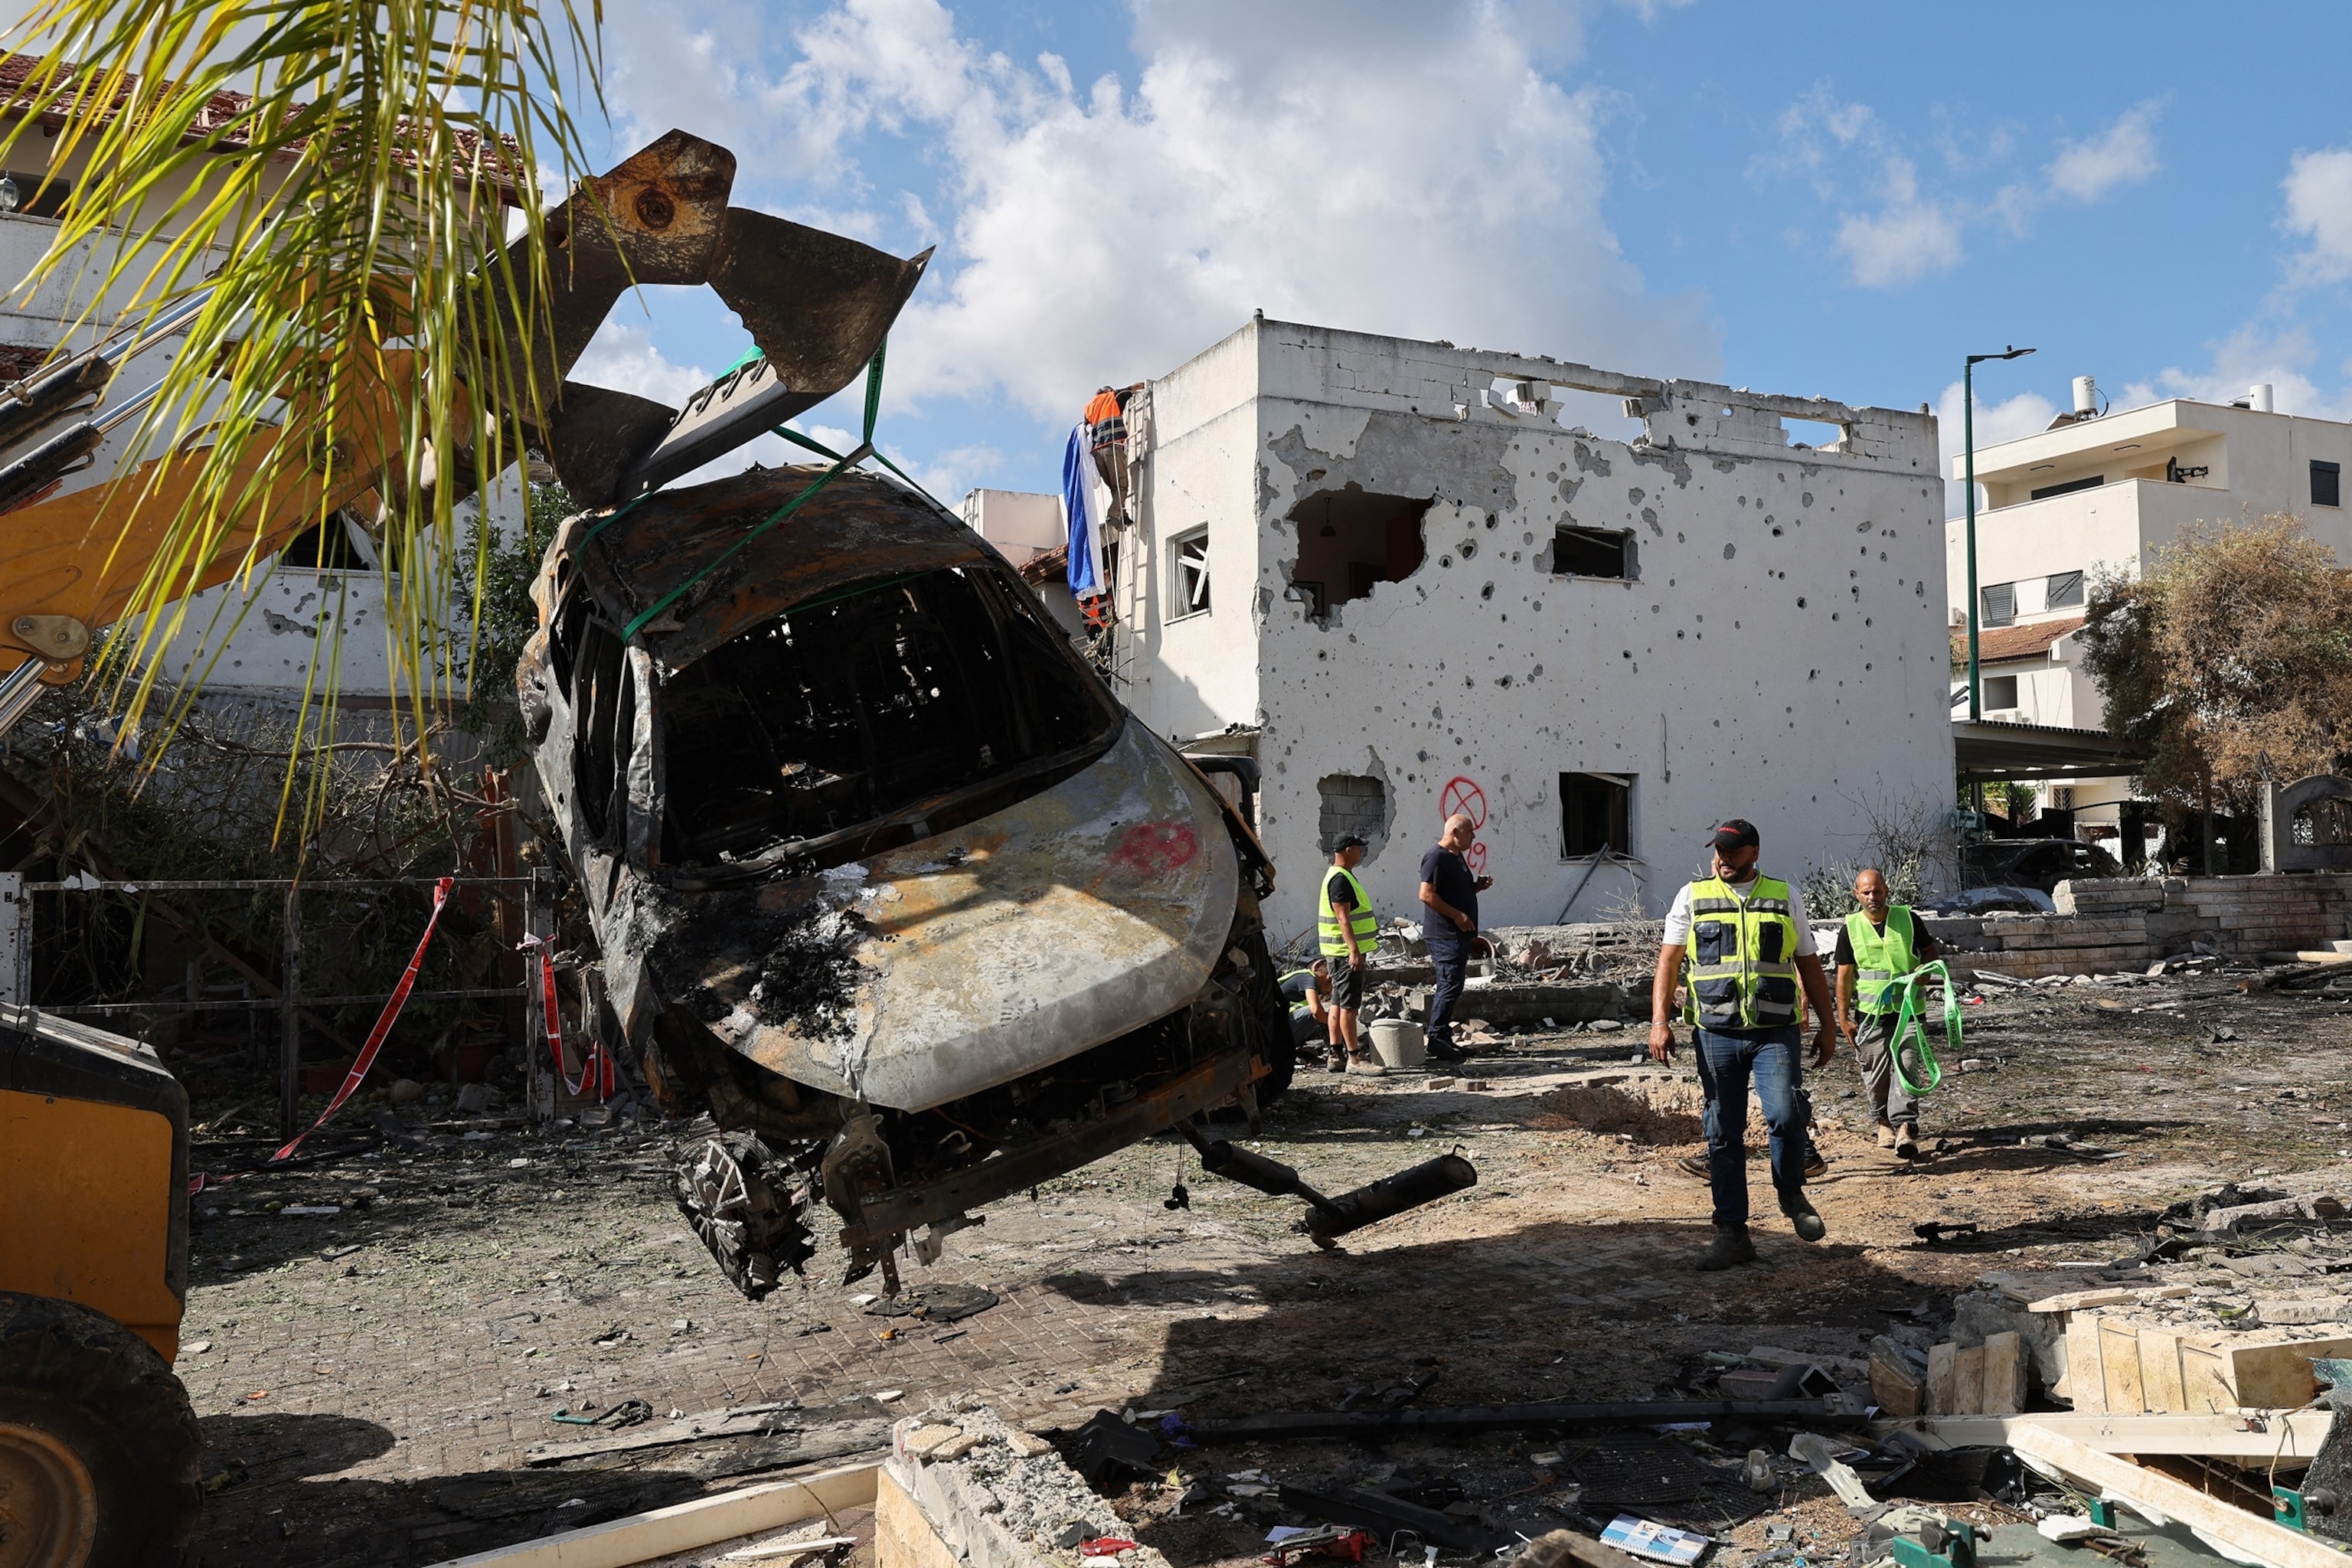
<point x="854" y="708"/>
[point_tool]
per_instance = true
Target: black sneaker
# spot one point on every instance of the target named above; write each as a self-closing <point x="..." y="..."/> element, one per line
<point x="1815" y="1166"/>
<point x="1729" y="1248"/>
<point x="1802" y="1216"/>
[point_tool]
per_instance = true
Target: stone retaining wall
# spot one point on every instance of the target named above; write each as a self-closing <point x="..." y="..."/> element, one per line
<point x="2131" y="922"/>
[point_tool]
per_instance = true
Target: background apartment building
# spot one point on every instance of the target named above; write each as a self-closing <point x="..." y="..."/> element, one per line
<point x="2103" y="493"/>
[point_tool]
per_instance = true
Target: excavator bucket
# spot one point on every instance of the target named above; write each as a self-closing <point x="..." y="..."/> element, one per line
<point x="657" y="217"/>
<point x="817" y="305"/>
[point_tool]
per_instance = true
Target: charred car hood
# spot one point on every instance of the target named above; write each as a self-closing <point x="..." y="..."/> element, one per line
<point x="923" y="974"/>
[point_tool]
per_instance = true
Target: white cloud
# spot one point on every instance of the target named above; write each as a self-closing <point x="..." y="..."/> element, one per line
<point x="623" y="358"/>
<point x="1389" y="167"/>
<point x="1999" y="420"/>
<point x="2319" y="207"/>
<point x="1892" y="232"/>
<point x="2248" y="356"/>
<point x="1904" y="239"/>
<point x="2124" y="153"/>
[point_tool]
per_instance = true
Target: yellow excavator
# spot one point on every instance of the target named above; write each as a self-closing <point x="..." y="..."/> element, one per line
<point x="100" y="1456"/>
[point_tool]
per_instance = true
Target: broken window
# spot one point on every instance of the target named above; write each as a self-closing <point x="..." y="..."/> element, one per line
<point x="1189" y="578"/>
<point x="1593" y="552"/>
<point x="906" y="696"/>
<point x="1353" y="804"/>
<point x="1350" y="541"/>
<point x="2000" y="605"/>
<point x="2326" y="483"/>
<point x="603" y="704"/>
<point x="2000" y="690"/>
<point x="1596" y="813"/>
<point x="2065" y="590"/>
<point x="340" y="543"/>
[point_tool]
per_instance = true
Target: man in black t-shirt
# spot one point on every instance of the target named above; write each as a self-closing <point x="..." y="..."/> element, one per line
<point x="1449" y="901"/>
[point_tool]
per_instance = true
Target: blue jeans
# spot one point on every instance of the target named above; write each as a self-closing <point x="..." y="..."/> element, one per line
<point x="1451" y="962"/>
<point x="1727" y="1063"/>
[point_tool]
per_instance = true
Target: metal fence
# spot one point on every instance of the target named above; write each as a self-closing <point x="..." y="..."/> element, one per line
<point x="532" y="893"/>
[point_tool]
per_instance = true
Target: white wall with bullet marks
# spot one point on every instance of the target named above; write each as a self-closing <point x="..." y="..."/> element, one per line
<point x="1422" y="573"/>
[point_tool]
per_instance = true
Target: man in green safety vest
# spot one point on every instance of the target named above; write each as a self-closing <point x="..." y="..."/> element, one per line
<point x="1347" y="935"/>
<point x="1750" y="947"/>
<point x="1878" y="945"/>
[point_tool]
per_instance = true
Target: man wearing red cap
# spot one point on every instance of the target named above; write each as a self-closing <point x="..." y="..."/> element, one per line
<point x="1749" y="946"/>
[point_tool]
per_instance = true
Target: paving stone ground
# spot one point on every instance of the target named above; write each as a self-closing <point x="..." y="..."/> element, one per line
<point x="370" y="1382"/>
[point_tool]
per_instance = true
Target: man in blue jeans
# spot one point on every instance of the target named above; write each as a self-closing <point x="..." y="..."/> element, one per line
<point x="1449" y="924"/>
<point x="1749" y="947"/>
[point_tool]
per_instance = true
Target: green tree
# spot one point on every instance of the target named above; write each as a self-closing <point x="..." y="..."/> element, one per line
<point x="2231" y="658"/>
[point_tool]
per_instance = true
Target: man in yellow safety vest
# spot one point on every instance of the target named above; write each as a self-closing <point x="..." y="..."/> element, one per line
<point x="1751" y="946"/>
<point x="1347" y="935"/>
<point x="1879" y="944"/>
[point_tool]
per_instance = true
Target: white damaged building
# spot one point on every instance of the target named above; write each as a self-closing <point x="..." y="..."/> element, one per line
<point x="1401" y="577"/>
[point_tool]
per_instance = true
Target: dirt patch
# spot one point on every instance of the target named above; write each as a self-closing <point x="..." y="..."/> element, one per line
<point x="1651" y="1108"/>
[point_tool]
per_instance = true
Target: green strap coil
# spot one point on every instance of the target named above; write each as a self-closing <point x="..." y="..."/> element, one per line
<point x="1910" y="1026"/>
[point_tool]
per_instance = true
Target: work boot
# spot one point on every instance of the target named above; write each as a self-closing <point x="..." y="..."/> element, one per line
<point x="1367" y="1066"/>
<point x="1729" y="1248"/>
<point x="1886" y="1135"/>
<point x="1907" y="1142"/>
<point x="1442" y="1048"/>
<point x="1802" y="1215"/>
<point x="1335" y="1062"/>
<point x="1815" y="1166"/>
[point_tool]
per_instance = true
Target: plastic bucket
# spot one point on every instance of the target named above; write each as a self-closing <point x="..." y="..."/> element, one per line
<point x="1398" y="1042"/>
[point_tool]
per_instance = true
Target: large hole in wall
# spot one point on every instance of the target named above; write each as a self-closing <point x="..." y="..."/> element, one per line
<point x="1348" y="540"/>
<point x="1357" y="804"/>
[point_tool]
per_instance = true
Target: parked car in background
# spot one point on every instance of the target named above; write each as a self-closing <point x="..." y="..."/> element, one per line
<point x="2041" y="863"/>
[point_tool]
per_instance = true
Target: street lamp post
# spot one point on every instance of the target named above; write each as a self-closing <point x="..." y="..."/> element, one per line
<point x="1968" y="440"/>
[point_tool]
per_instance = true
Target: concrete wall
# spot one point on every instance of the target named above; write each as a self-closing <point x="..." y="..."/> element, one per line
<point x="1781" y="653"/>
<point x="2127" y="923"/>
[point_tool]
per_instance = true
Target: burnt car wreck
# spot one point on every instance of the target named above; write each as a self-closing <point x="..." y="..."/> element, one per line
<point x="871" y="866"/>
<point x="880" y="872"/>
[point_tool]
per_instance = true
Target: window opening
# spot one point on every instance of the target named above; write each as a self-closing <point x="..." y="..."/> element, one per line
<point x="1593" y="552"/>
<point x="2068" y="487"/>
<point x="1999" y="604"/>
<point x="2000" y="690"/>
<point x="2065" y="590"/>
<point x="331" y="545"/>
<point x="1191" y="577"/>
<point x="1350" y="541"/>
<point x="1596" y="812"/>
<point x="2326" y="483"/>
<point x="867" y="704"/>
<point x="1353" y="804"/>
<point x="604" y="711"/>
<point x="41" y="195"/>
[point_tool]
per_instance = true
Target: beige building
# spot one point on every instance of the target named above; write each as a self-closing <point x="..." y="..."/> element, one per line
<point x="2101" y="493"/>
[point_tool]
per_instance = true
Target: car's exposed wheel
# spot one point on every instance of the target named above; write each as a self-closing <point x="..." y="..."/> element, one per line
<point x="101" y="1459"/>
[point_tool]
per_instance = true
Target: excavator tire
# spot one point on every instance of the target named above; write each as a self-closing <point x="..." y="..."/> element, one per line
<point x="101" y="1459"/>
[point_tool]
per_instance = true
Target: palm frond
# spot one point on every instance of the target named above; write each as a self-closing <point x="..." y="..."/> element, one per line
<point x="343" y="177"/>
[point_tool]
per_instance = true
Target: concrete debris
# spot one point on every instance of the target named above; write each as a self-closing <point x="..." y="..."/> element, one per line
<point x="992" y="1504"/>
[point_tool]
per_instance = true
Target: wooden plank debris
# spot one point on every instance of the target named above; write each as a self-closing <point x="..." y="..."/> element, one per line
<point x="2245" y="1536"/>
<point x="689" y="1526"/>
<point x="2256" y="1437"/>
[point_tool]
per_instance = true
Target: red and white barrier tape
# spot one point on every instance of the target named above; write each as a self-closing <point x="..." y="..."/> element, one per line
<point x="595" y="1062"/>
<point x="385" y="1021"/>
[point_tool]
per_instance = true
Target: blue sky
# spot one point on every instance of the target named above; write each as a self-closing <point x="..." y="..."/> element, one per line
<point x="1808" y="199"/>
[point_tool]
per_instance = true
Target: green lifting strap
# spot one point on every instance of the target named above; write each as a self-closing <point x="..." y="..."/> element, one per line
<point x="1910" y="1026"/>
<point x="840" y="465"/>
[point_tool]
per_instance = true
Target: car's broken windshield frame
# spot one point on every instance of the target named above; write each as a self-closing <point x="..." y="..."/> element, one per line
<point x="888" y="709"/>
